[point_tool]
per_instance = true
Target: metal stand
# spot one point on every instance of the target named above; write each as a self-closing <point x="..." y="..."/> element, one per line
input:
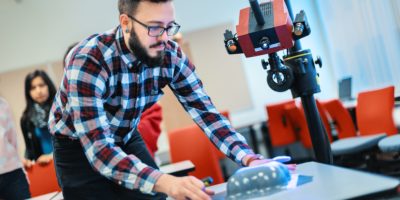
<point x="258" y="34"/>
<point x="301" y="87"/>
<point x="299" y="66"/>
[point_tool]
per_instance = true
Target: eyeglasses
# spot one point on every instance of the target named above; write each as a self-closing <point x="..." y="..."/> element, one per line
<point x="156" y="31"/>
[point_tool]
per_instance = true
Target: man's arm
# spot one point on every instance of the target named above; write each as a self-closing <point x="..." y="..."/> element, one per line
<point x="86" y="87"/>
<point x="189" y="90"/>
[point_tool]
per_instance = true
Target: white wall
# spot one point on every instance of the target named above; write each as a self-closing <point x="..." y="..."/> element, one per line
<point x="39" y="31"/>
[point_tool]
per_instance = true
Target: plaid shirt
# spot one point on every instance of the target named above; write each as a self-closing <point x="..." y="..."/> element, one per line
<point x="105" y="89"/>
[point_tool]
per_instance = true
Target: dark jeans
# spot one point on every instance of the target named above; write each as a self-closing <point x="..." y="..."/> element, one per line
<point x="78" y="179"/>
<point x="14" y="186"/>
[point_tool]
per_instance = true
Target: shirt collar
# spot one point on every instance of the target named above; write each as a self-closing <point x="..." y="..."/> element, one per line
<point x="127" y="56"/>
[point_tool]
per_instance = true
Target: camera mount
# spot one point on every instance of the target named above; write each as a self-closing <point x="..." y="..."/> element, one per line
<point x="267" y="28"/>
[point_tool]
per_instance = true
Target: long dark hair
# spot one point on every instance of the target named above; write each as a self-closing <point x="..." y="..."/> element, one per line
<point x="29" y="101"/>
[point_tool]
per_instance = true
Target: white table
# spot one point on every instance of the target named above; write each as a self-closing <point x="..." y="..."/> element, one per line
<point x="50" y="196"/>
<point x="178" y="168"/>
<point x="328" y="183"/>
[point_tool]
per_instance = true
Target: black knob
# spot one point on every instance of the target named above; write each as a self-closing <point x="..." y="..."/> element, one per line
<point x="264" y="64"/>
<point x="280" y="80"/>
<point x="318" y="61"/>
<point x="231" y="46"/>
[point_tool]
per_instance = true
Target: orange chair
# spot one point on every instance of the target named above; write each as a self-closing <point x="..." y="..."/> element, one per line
<point x="324" y="118"/>
<point x="280" y="127"/>
<point x="298" y="119"/>
<point x="191" y="143"/>
<point x="375" y="122"/>
<point x="341" y="118"/>
<point x="374" y="112"/>
<point x="42" y="179"/>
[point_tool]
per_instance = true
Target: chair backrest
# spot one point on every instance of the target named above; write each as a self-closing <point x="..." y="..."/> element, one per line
<point x="324" y="118"/>
<point x="190" y="143"/>
<point x="341" y="118"/>
<point x="299" y="121"/>
<point x="42" y="179"/>
<point x="374" y="111"/>
<point x="281" y="130"/>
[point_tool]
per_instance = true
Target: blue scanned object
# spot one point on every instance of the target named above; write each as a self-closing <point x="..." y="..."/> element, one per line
<point x="257" y="181"/>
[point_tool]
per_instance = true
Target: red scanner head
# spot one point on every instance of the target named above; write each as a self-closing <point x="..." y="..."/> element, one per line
<point x="274" y="35"/>
<point x="266" y="28"/>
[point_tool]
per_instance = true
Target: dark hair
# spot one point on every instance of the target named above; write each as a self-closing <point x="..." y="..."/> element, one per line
<point x="28" y="84"/>
<point x="70" y="47"/>
<point x="130" y="6"/>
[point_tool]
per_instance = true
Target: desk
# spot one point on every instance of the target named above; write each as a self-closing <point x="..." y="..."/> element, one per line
<point x="396" y="117"/>
<point x="353" y="103"/>
<point x="329" y="183"/>
<point x="49" y="196"/>
<point x="179" y="168"/>
<point x="349" y="104"/>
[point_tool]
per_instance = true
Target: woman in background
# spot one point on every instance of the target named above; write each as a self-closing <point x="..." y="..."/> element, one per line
<point x="39" y="94"/>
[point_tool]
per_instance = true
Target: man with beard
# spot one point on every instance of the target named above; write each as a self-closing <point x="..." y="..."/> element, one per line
<point x="109" y="80"/>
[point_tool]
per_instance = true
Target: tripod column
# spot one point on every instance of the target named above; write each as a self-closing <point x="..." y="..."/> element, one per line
<point x="305" y="85"/>
<point x="319" y="138"/>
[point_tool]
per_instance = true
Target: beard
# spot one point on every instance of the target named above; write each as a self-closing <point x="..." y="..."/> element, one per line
<point x="141" y="53"/>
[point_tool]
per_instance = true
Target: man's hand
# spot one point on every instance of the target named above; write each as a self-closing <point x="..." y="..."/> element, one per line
<point x="187" y="187"/>
<point x="281" y="159"/>
<point x="27" y="163"/>
<point x="45" y="159"/>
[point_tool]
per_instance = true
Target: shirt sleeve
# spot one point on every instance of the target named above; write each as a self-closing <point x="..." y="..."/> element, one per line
<point x="86" y="89"/>
<point x="189" y="90"/>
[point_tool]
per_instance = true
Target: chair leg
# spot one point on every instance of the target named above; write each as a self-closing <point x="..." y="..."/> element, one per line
<point x="365" y="160"/>
<point x="355" y="161"/>
<point x="389" y="163"/>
